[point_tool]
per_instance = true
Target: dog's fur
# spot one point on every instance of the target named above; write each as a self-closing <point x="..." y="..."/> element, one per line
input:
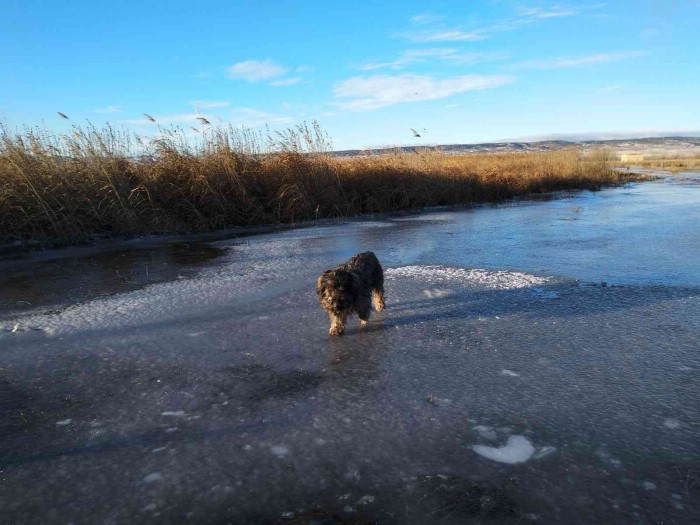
<point x="351" y="288"/>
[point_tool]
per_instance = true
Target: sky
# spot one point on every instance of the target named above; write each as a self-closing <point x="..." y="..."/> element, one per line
<point x="368" y="72"/>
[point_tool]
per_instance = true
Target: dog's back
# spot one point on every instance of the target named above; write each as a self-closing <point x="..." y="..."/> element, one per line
<point x="368" y="264"/>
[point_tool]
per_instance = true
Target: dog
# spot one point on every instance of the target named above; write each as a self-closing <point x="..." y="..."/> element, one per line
<point x="350" y="288"/>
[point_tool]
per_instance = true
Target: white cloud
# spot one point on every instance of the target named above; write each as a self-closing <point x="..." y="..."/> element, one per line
<point x="555" y="12"/>
<point x="373" y="92"/>
<point x="252" y="117"/>
<point x="440" y="33"/>
<point x="286" y="81"/>
<point x="209" y="104"/>
<point x="110" y="109"/>
<point x="610" y="88"/>
<point x="558" y="63"/>
<point x="255" y="70"/>
<point x="303" y="69"/>
<point x="415" y="56"/>
<point x="452" y="35"/>
<point x="425" y="18"/>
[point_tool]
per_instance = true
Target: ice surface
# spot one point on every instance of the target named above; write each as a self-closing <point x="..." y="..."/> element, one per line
<point x="279" y="450"/>
<point x="486" y="432"/>
<point x="516" y="450"/>
<point x="509" y="373"/>
<point x="153" y="476"/>
<point x="483" y="279"/>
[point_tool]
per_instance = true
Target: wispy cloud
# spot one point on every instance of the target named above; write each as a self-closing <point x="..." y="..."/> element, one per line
<point x="441" y="33"/>
<point x="110" y="109"/>
<point x="363" y="93"/>
<point x="614" y="87"/>
<point x="554" y="12"/>
<point x="286" y="81"/>
<point x="253" y="118"/>
<point x="255" y="70"/>
<point x="425" y="18"/>
<point x="209" y="104"/>
<point x="416" y="56"/>
<point x="558" y="63"/>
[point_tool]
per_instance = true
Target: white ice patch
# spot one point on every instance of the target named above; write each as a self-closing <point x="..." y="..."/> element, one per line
<point x="517" y="450"/>
<point x="673" y="424"/>
<point x="244" y="270"/>
<point x="649" y="485"/>
<point x="153" y="476"/>
<point x="174" y="413"/>
<point x="279" y="451"/>
<point x="483" y="279"/>
<point x="543" y="452"/>
<point x="64" y="422"/>
<point x="509" y="373"/>
<point x="436" y="293"/>
<point x="486" y="432"/>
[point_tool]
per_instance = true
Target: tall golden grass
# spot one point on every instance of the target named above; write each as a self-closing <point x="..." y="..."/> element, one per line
<point x="67" y="188"/>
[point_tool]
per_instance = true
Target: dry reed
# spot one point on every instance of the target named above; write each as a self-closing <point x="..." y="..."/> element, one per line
<point x="69" y="188"/>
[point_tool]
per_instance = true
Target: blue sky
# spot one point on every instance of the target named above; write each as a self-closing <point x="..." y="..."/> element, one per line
<point x="462" y="71"/>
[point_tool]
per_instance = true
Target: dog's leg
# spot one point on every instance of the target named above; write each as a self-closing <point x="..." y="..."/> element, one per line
<point x="337" y="323"/>
<point x="378" y="300"/>
<point x="364" y="307"/>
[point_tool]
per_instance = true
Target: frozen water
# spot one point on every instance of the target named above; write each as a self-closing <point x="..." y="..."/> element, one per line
<point x="486" y="432"/>
<point x="516" y="450"/>
<point x="484" y="279"/>
<point x="237" y="355"/>
<point x="279" y="450"/>
<point x="154" y="476"/>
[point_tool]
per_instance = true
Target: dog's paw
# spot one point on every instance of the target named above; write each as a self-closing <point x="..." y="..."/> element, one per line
<point x="335" y="330"/>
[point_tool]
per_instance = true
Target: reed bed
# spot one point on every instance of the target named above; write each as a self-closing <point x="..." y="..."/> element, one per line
<point x="672" y="163"/>
<point x="60" y="189"/>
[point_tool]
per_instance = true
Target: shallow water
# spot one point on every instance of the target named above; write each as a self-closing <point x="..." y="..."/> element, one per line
<point x="537" y="362"/>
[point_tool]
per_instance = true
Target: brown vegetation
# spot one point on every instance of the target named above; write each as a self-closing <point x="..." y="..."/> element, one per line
<point x="63" y="189"/>
<point x="673" y="163"/>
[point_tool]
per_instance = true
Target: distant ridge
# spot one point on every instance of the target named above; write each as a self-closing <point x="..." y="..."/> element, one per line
<point x="673" y="145"/>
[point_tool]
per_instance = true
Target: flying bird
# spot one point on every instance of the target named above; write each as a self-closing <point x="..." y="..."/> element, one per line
<point x="62" y="115"/>
<point x="149" y="117"/>
<point x="415" y="133"/>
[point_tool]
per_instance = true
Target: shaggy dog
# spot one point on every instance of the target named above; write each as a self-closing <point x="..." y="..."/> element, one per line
<point x="351" y="287"/>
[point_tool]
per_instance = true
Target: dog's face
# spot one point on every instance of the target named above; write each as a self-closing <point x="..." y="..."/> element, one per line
<point x="337" y="290"/>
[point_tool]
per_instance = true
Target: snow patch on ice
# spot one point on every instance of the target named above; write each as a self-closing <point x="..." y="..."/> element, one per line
<point x="279" y="451"/>
<point x="436" y="293"/>
<point x="509" y="373"/>
<point x="486" y="432"/>
<point x="543" y="452"/>
<point x="64" y="422"/>
<point x="174" y="413"/>
<point x="488" y="279"/>
<point x="516" y="450"/>
<point x="673" y="424"/>
<point x="153" y="476"/>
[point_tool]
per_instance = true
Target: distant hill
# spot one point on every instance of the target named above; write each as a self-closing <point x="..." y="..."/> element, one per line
<point x="656" y="146"/>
